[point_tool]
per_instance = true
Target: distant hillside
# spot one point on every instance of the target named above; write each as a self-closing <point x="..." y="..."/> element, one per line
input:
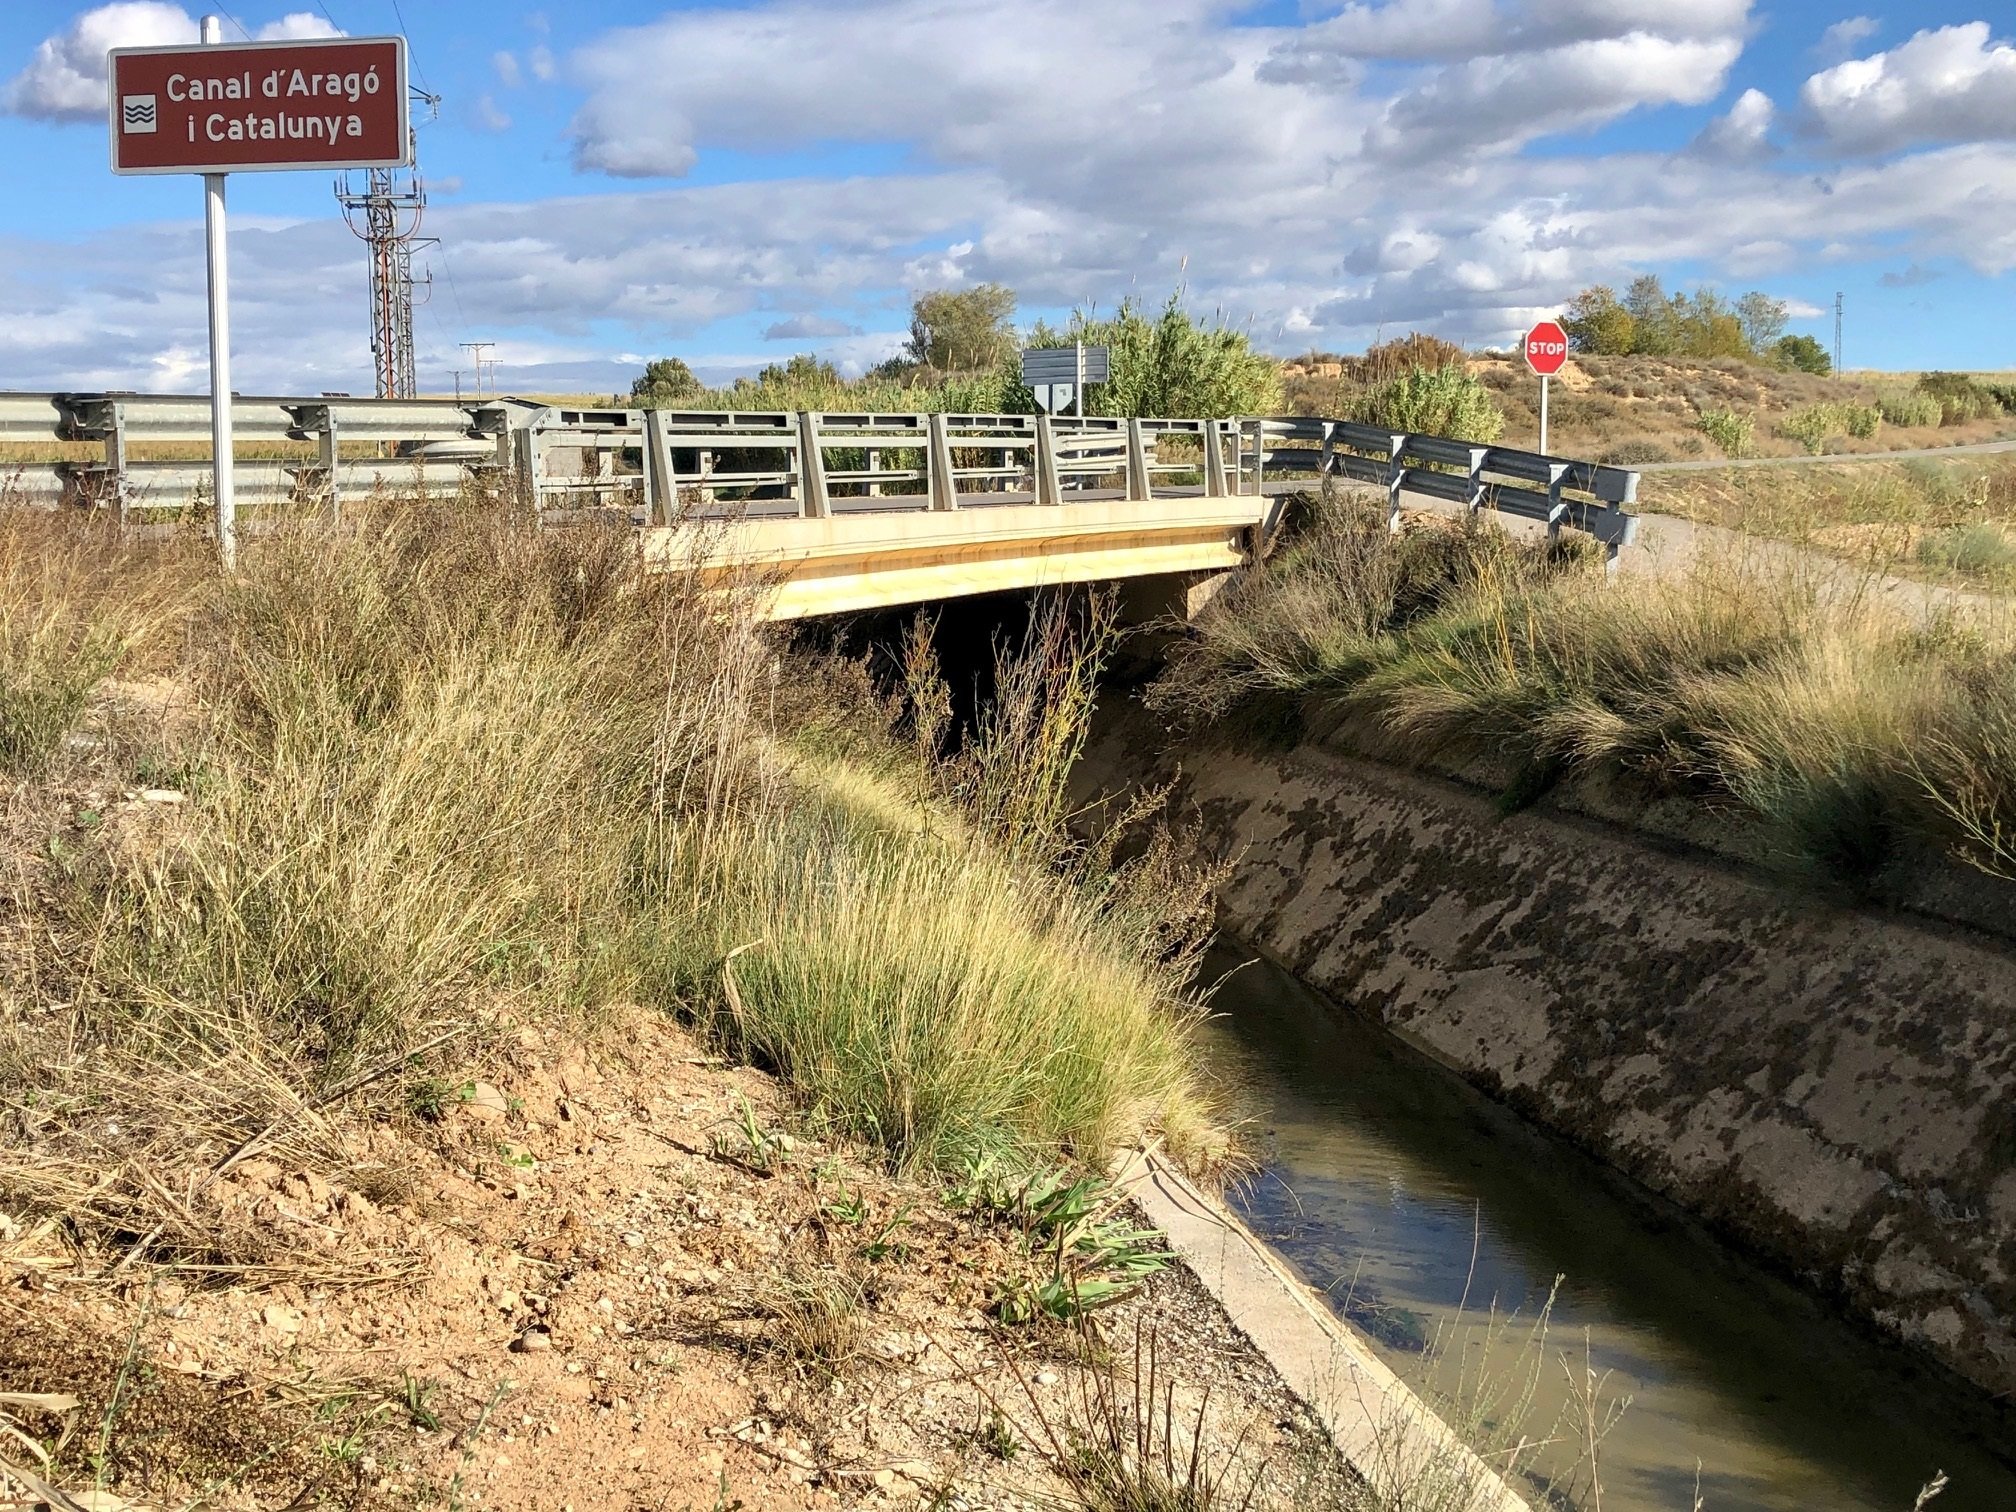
<point x="1648" y="409"/>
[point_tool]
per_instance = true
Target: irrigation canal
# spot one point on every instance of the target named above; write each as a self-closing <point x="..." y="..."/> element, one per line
<point x="1398" y="1190"/>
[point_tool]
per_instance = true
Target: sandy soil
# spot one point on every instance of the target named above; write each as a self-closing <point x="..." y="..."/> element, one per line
<point x="586" y="1286"/>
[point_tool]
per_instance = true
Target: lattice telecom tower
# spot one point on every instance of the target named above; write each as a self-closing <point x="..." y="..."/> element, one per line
<point x="386" y="211"/>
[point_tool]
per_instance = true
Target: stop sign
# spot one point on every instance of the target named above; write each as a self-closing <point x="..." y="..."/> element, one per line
<point x="1547" y="348"/>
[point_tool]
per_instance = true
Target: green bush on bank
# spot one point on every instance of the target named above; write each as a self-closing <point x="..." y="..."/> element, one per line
<point x="1728" y="430"/>
<point x="1442" y="401"/>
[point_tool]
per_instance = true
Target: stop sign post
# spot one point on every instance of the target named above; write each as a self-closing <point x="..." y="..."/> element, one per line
<point x="1546" y="354"/>
<point x="213" y="109"/>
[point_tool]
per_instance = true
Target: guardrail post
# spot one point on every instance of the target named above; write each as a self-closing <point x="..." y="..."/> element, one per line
<point x="874" y="466"/>
<point x="326" y="442"/>
<point x="1477" y="456"/>
<point x="1396" y="475"/>
<point x="530" y="479"/>
<point x="1259" y="457"/>
<point x="1214" y="459"/>
<point x="1140" y="482"/>
<point x="814" y="502"/>
<point x="1323" y="457"/>
<point x="1555" y="509"/>
<point x="944" y="488"/>
<point x="1049" y="480"/>
<point x="115" y="462"/>
<point x="661" y="477"/>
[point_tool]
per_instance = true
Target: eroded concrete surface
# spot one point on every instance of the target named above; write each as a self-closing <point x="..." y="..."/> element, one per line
<point x="1834" y="1088"/>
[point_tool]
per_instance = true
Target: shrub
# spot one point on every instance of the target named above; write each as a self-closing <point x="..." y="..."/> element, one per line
<point x="2004" y="394"/>
<point x="1637" y="453"/>
<point x="1909" y="407"/>
<point x="1167" y="364"/>
<point x="1445" y="401"/>
<point x="1389" y="359"/>
<point x="1804" y="354"/>
<point x="1728" y="430"/>
<point x="1816" y="424"/>
<point x="1961" y="400"/>
<point x="1980" y="549"/>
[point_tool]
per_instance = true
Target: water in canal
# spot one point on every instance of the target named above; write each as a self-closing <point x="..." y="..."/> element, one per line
<point x="1393" y="1187"/>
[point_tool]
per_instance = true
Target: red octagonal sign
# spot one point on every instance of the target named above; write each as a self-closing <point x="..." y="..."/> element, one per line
<point x="1547" y="348"/>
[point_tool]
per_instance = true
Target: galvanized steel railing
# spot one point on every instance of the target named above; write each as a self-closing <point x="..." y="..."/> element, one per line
<point x="665" y="466"/>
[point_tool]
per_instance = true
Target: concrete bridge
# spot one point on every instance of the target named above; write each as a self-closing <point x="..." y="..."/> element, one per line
<point x="836" y="512"/>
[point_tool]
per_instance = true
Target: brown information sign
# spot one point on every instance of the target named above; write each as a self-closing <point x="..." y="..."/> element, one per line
<point x="258" y="106"/>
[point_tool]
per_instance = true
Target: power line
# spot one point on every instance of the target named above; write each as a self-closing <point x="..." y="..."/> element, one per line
<point x="405" y="30"/>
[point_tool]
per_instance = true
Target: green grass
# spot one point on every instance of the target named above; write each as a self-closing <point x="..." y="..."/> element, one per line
<point x="1978" y="550"/>
<point x="1857" y="737"/>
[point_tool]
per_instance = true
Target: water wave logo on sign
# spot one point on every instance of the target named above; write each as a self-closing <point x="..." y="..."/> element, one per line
<point x="138" y="114"/>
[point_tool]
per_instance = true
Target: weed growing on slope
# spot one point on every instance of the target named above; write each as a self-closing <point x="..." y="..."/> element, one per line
<point x="1857" y="734"/>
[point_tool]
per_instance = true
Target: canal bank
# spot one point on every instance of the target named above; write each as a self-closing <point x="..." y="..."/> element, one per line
<point x="1419" y="1208"/>
<point x="1820" y="1085"/>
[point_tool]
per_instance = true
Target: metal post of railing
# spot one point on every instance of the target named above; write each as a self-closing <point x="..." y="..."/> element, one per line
<point x="1477" y="456"/>
<point x="1214" y="459"/>
<point x="115" y="462"/>
<point x="661" y="476"/>
<point x="331" y="465"/>
<point x="814" y="502"/>
<point x="944" y="487"/>
<point x="1396" y="474"/>
<point x="1556" y="471"/>
<point x="1140" y="482"/>
<point x="1049" y="479"/>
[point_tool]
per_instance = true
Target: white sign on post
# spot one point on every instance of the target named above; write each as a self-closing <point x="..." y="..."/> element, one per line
<point x="218" y="108"/>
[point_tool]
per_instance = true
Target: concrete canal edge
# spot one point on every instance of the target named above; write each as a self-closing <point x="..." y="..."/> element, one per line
<point x="1386" y="1432"/>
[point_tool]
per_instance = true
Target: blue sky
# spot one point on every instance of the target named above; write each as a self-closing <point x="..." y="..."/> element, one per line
<point x="733" y="182"/>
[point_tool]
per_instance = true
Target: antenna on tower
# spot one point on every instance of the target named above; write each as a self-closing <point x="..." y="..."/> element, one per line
<point x="385" y="209"/>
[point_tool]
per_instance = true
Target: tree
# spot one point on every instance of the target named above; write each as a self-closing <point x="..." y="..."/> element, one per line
<point x="666" y="381"/>
<point x="1169" y="364"/>
<point x="1763" y="320"/>
<point x="961" y="330"/>
<point x="1598" y="324"/>
<point x="803" y="370"/>
<point x="1803" y="353"/>
<point x="1651" y="312"/>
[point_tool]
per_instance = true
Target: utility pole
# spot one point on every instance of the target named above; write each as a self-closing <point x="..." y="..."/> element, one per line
<point x="1837" y="334"/>
<point x="476" y="349"/>
<point x="458" y="384"/>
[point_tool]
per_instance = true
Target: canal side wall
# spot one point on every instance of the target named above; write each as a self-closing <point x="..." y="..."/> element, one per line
<point x="1833" y="1088"/>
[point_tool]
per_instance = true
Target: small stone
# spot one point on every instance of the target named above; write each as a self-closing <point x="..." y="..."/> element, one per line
<point x="163" y="795"/>
<point x="532" y="1341"/>
<point x="885" y="1478"/>
<point x="280" y="1319"/>
<point x="485" y="1103"/>
<point x="1046" y="1378"/>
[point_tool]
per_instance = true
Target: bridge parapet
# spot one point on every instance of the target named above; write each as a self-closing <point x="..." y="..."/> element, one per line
<point x="665" y="466"/>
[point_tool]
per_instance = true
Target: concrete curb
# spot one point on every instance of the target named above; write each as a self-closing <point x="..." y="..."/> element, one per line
<point x="1386" y="1432"/>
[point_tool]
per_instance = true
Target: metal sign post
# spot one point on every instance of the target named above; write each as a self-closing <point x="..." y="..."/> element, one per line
<point x="219" y="108"/>
<point x="223" y="472"/>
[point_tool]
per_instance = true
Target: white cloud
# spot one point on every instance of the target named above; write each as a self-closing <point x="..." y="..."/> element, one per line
<point x="1454" y="30"/>
<point x="1842" y="38"/>
<point x="1497" y="104"/>
<point x="508" y="73"/>
<point x="1744" y="132"/>
<point x="540" y="61"/>
<point x="1955" y="84"/>
<point x="486" y="115"/>
<point x="65" y="77"/>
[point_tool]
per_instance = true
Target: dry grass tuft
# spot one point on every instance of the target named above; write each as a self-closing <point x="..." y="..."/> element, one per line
<point x="439" y="773"/>
<point x="1858" y="735"/>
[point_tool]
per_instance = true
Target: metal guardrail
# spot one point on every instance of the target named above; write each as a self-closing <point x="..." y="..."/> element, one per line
<point x="408" y="435"/>
<point x="664" y="466"/>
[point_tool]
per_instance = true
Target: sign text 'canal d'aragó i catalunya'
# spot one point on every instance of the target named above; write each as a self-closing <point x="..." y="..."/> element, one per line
<point x="221" y="108"/>
<point x="252" y="107"/>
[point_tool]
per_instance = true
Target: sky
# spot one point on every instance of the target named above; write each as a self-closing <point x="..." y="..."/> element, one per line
<point x="735" y="182"/>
